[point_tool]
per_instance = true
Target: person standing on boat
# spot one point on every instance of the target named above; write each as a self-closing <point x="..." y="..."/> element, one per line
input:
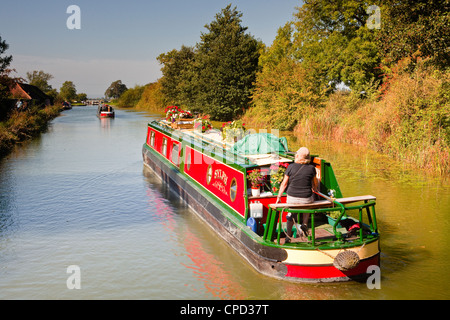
<point x="299" y="182"/>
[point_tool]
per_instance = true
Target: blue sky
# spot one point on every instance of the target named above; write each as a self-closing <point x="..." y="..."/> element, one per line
<point x="119" y="39"/>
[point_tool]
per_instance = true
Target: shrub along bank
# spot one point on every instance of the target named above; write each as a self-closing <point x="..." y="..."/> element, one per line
<point x="23" y="125"/>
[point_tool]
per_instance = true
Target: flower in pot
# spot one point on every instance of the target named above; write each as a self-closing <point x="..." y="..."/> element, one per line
<point x="172" y="113"/>
<point x="277" y="175"/>
<point x="256" y="179"/>
<point x="233" y="131"/>
<point x="202" y="124"/>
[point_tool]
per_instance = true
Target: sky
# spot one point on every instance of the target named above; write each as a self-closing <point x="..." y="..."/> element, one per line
<point x="119" y="40"/>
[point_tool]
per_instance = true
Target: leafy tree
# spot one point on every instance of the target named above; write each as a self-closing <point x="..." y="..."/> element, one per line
<point x="68" y="91"/>
<point x="226" y="62"/>
<point x="81" y="97"/>
<point x="285" y="86"/>
<point x="179" y="81"/>
<point x="415" y="30"/>
<point x="5" y="80"/>
<point x="152" y="98"/>
<point x="116" y="89"/>
<point x="334" y="37"/>
<point x="131" y="97"/>
<point x="5" y="61"/>
<point x="40" y="79"/>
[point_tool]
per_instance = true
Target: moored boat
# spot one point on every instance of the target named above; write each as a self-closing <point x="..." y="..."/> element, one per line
<point x="105" y="111"/>
<point x="212" y="177"/>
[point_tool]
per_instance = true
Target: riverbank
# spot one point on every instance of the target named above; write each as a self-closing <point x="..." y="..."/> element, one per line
<point x="408" y="119"/>
<point x="24" y="125"/>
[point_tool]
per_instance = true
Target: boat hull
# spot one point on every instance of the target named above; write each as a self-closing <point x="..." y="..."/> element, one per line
<point x="106" y="115"/>
<point x="273" y="261"/>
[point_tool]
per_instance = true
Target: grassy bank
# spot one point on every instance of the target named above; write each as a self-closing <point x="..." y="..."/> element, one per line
<point x="23" y="125"/>
<point x="408" y="119"/>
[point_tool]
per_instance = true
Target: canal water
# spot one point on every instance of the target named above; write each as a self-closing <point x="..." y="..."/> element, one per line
<point x="81" y="218"/>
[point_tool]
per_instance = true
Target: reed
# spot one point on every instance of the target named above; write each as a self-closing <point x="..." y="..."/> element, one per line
<point x="410" y="121"/>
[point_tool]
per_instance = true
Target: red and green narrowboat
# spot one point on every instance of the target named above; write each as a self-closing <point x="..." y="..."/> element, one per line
<point x="212" y="177"/>
<point x="105" y="111"/>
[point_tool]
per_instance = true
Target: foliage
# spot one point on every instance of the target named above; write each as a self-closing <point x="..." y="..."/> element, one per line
<point x="233" y="130"/>
<point x="333" y="37"/>
<point x="178" y="84"/>
<point x="131" y="97"/>
<point x="287" y="89"/>
<point x="6" y="81"/>
<point x="415" y="29"/>
<point x="202" y="124"/>
<point x="255" y="178"/>
<point x="216" y="77"/>
<point x="277" y="171"/>
<point x="227" y="62"/>
<point x="81" y="97"/>
<point x="23" y="125"/>
<point x="152" y="98"/>
<point x="116" y="89"/>
<point x="68" y="91"/>
<point x="40" y="79"/>
<point x="409" y="122"/>
<point x="5" y="61"/>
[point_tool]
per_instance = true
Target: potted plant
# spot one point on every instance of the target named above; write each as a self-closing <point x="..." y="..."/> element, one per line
<point x="233" y="131"/>
<point x="172" y="113"/>
<point x="202" y="124"/>
<point x="277" y="175"/>
<point x="256" y="179"/>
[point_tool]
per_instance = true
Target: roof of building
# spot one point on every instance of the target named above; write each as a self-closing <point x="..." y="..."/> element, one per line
<point x="27" y="91"/>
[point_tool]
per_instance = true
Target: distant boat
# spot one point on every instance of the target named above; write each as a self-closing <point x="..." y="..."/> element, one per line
<point x="66" y="105"/>
<point x="105" y="111"/>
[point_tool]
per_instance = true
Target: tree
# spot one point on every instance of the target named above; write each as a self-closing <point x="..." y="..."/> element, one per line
<point x="333" y="36"/>
<point x="226" y="62"/>
<point x="180" y="76"/>
<point x="115" y="90"/>
<point x="415" y="30"/>
<point x="40" y="79"/>
<point x="81" y="97"/>
<point x="285" y="86"/>
<point x="5" y="80"/>
<point x="5" y="61"/>
<point x="131" y="97"/>
<point x="68" y="91"/>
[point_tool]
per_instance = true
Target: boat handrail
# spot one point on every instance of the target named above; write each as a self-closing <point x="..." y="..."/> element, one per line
<point x="321" y="206"/>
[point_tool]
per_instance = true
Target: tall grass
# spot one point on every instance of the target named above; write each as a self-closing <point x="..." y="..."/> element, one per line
<point x="410" y="121"/>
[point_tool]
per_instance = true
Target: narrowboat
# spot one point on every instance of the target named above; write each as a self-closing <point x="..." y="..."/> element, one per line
<point x="212" y="177"/>
<point x="105" y="111"/>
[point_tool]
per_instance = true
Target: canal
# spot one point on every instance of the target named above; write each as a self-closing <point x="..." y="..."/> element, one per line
<point x="79" y="196"/>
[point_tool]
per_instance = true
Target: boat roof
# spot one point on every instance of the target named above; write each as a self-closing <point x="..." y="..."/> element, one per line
<point x="258" y="149"/>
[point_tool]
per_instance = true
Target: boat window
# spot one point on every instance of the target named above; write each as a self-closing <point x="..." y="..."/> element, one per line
<point x="233" y="189"/>
<point x="209" y="174"/>
<point x="164" y="147"/>
<point x="175" y="154"/>
<point x="152" y="138"/>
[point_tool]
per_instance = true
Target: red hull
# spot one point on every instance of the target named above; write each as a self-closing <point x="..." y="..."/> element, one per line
<point x="330" y="273"/>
